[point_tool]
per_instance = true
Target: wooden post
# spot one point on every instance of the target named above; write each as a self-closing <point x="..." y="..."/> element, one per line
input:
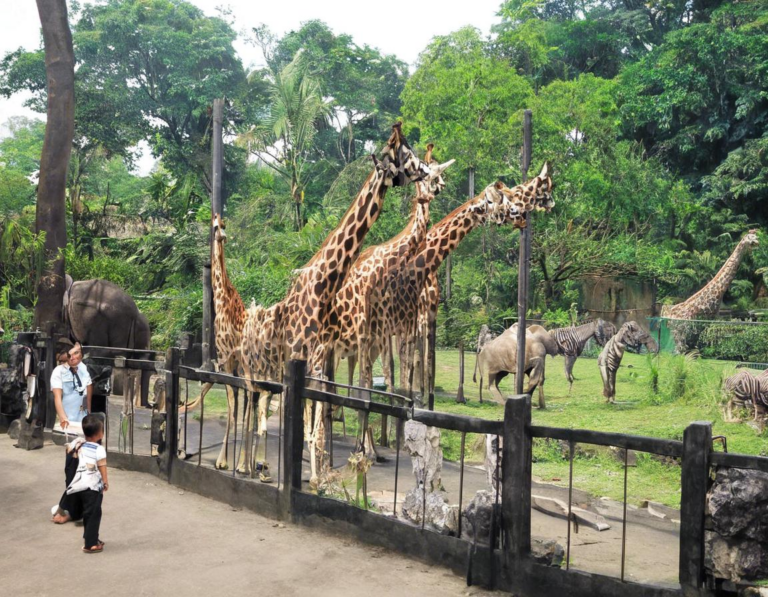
<point x="217" y="206"/>
<point x="697" y="443"/>
<point x="460" y="392"/>
<point x="524" y="263"/>
<point x="293" y="437"/>
<point x="516" y="476"/>
<point x="171" y="410"/>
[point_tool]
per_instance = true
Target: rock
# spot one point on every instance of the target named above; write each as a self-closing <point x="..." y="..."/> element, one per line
<point x="492" y="457"/>
<point x="423" y="444"/>
<point x="558" y="508"/>
<point x="735" y="558"/>
<point x="661" y="511"/>
<point x="476" y="522"/>
<point x="547" y="551"/>
<point x="30" y="438"/>
<point x="736" y="543"/>
<point x="440" y="516"/>
<point x="13" y="429"/>
<point x="13" y="384"/>
<point x="737" y="504"/>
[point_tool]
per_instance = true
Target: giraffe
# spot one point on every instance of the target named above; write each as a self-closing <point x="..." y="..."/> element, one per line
<point x="352" y="303"/>
<point x="706" y="302"/>
<point x="228" y="327"/>
<point x="397" y="308"/>
<point x="306" y="309"/>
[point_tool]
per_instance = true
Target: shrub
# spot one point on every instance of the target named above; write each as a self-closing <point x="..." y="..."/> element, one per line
<point x="735" y="342"/>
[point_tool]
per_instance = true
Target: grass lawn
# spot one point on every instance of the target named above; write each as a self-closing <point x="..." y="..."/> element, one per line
<point x="688" y="391"/>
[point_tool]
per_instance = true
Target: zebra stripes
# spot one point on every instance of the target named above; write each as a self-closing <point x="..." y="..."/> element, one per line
<point x="571" y="341"/>
<point x="610" y="358"/>
<point x="744" y="388"/>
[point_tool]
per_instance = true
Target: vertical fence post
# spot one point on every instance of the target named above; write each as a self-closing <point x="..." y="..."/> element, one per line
<point x="460" y="392"/>
<point x="697" y="443"/>
<point x="295" y="380"/>
<point x="516" y="476"/>
<point x="171" y="410"/>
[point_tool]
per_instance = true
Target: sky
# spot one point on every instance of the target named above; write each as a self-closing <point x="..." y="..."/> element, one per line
<point x="400" y="27"/>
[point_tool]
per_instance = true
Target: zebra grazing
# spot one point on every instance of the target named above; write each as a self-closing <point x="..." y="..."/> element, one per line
<point x="630" y="334"/>
<point x="745" y="387"/>
<point x="571" y="342"/>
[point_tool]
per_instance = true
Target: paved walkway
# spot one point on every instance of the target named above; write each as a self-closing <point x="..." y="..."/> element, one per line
<point x="163" y="541"/>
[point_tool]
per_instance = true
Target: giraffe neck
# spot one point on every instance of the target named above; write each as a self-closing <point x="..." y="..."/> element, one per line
<point x="226" y="298"/>
<point x="444" y="237"/>
<point x="707" y="300"/>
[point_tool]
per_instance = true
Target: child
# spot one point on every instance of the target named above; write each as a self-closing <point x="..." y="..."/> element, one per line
<point x="85" y="491"/>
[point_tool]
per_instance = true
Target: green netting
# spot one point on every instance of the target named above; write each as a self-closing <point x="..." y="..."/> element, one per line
<point x="744" y="341"/>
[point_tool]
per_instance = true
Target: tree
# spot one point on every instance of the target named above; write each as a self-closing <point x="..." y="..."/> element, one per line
<point x="701" y="94"/>
<point x="283" y="139"/>
<point x="59" y="131"/>
<point x="463" y="100"/>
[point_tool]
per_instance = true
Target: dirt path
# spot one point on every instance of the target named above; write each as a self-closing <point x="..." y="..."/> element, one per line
<point x="162" y="540"/>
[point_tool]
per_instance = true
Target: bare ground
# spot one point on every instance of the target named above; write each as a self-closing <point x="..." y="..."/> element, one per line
<point x="161" y="540"/>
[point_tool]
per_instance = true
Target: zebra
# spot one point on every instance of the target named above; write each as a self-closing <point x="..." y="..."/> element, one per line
<point x="743" y="388"/>
<point x="572" y="340"/>
<point x="630" y="334"/>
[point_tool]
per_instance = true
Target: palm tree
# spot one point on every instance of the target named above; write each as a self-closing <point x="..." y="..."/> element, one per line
<point x="284" y="136"/>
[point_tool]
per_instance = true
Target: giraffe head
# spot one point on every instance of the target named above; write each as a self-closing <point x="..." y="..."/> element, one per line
<point x="399" y="164"/>
<point x="495" y="202"/>
<point x="751" y="239"/>
<point x="434" y="180"/>
<point x="219" y="234"/>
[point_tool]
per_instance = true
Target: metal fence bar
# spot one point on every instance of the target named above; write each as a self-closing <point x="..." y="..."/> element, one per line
<point x="461" y="479"/>
<point x="654" y="445"/>
<point x="624" y="519"/>
<point x="200" y="443"/>
<point x="186" y="415"/>
<point x="570" y="505"/>
<point x="234" y="440"/>
<point x="398" y="431"/>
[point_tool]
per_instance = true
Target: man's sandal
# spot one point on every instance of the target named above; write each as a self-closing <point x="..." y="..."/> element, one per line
<point x="95" y="549"/>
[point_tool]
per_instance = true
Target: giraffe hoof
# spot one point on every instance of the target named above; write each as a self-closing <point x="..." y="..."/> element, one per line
<point x="222" y="466"/>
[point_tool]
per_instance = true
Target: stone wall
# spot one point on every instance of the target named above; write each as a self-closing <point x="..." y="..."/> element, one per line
<point x="736" y="538"/>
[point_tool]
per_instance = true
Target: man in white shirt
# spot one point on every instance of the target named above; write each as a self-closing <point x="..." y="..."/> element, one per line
<point x="72" y="388"/>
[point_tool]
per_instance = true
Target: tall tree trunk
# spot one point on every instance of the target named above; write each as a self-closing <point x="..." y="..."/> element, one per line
<point x="54" y="162"/>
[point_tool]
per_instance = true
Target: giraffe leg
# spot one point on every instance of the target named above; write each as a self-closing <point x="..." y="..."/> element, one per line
<point x="246" y="445"/>
<point x="260" y="450"/>
<point x="221" y="461"/>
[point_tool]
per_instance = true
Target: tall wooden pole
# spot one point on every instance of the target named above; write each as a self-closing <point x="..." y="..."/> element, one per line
<point x="217" y="157"/>
<point x="524" y="265"/>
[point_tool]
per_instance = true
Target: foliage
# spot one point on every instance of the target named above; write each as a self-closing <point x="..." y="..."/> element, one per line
<point x="735" y="342"/>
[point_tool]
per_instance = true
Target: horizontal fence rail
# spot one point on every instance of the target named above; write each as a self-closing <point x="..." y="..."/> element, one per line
<point x="662" y="447"/>
<point x="193" y="374"/>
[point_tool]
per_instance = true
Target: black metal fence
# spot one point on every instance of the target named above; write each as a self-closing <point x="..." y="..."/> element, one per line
<point x="505" y="560"/>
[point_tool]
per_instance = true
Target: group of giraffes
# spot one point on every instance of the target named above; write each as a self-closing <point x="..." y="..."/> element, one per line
<point x="346" y="302"/>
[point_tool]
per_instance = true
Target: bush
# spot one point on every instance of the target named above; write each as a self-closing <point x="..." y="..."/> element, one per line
<point x="735" y="342"/>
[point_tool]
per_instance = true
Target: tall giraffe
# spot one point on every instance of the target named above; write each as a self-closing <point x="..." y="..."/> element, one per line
<point x="706" y="301"/>
<point x="397" y="307"/>
<point x="227" y="325"/>
<point x="306" y="309"/>
<point x="352" y="303"/>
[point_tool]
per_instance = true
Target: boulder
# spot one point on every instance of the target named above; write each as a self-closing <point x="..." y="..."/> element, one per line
<point x="13" y="384"/>
<point x="547" y="552"/>
<point x="440" y="516"/>
<point x="736" y="544"/>
<point x="735" y="558"/>
<point x="477" y="517"/>
<point x="492" y="457"/>
<point x="423" y="444"/>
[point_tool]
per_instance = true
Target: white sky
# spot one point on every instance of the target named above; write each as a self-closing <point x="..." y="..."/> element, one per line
<point x="400" y="27"/>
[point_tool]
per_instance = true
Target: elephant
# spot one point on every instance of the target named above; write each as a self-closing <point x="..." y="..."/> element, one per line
<point x="100" y="313"/>
<point x="499" y="357"/>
